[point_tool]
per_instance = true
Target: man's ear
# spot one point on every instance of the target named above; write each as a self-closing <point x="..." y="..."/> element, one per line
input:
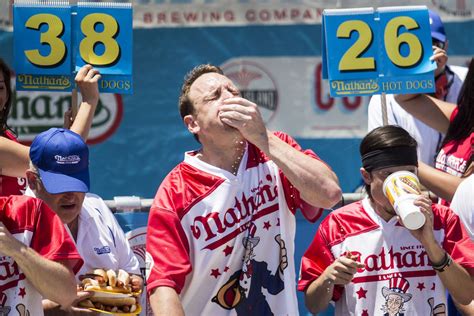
<point x="191" y="124"/>
<point x="32" y="180"/>
<point x="366" y="176"/>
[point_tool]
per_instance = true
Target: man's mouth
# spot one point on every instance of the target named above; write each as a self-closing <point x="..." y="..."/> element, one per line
<point x="69" y="206"/>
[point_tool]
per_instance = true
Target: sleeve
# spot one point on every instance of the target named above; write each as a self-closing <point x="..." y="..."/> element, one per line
<point x="315" y="260"/>
<point x="374" y="113"/>
<point x="457" y="242"/>
<point x="52" y="241"/>
<point x="463" y="205"/>
<point x="127" y="259"/>
<point x="292" y="195"/>
<point x="167" y="246"/>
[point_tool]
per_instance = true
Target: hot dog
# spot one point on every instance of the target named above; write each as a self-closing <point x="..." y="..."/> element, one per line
<point x="100" y="280"/>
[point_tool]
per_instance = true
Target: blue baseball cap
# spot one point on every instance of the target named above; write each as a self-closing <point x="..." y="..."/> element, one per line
<point x="437" y="27"/>
<point x="62" y="158"/>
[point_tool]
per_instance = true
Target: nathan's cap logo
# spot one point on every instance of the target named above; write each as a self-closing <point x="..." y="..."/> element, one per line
<point x="68" y="160"/>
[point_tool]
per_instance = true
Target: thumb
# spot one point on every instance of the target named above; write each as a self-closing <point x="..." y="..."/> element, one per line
<point x="82" y="295"/>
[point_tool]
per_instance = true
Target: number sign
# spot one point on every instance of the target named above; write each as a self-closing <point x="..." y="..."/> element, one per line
<point x="53" y="40"/>
<point x="367" y="51"/>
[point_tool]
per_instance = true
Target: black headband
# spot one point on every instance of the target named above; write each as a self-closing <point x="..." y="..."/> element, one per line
<point x="390" y="157"/>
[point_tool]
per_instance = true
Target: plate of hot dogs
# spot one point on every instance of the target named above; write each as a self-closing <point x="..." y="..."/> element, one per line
<point x="111" y="292"/>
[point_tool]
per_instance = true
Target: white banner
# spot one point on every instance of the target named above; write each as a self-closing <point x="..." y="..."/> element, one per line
<point x="195" y="13"/>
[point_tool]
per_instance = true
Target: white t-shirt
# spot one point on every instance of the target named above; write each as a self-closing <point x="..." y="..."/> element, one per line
<point x="100" y="240"/>
<point x="427" y="138"/>
<point x="220" y="239"/>
<point x="397" y="276"/>
<point x="463" y="204"/>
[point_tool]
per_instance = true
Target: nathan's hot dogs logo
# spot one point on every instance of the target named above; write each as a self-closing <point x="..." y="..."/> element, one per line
<point x="36" y="111"/>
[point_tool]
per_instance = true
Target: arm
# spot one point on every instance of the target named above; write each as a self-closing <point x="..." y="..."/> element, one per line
<point x="317" y="184"/>
<point x="53" y="280"/>
<point x="87" y="80"/>
<point x="14" y="158"/>
<point x="455" y="278"/>
<point x="441" y="183"/>
<point x="340" y="272"/>
<point x="165" y="301"/>
<point x="431" y="111"/>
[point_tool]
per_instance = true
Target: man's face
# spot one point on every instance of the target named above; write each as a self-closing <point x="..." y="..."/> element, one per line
<point x="66" y="205"/>
<point x="376" y="179"/>
<point x="3" y="92"/>
<point x="207" y="94"/>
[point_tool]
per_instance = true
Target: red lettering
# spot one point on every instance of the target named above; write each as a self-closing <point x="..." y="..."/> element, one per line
<point x="352" y="105"/>
<point x="147" y="17"/>
<point x="322" y="104"/>
<point x="175" y="17"/>
<point x="265" y="15"/>
<point x="294" y="13"/>
<point x="250" y="15"/>
<point x="190" y="16"/>
<point x="280" y="15"/>
<point x="161" y="17"/>
<point x="229" y="16"/>
<point x="307" y="14"/>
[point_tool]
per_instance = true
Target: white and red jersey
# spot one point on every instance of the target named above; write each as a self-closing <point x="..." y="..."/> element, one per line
<point x="396" y="264"/>
<point x="220" y="239"/>
<point x="30" y="221"/>
<point x="454" y="156"/>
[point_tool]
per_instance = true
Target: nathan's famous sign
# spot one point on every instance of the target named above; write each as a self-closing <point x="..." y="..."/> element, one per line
<point x="36" y="111"/>
<point x="367" y="51"/>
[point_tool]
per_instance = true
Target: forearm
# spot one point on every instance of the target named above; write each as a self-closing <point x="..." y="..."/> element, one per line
<point x="165" y="301"/>
<point x="83" y="120"/>
<point x="431" y="111"/>
<point x="317" y="184"/>
<point x="52" y="280"/>
<point x="455" y="278"/>
<point x="319" y="294"/>
<point x="14" y="158"/>
<point x="441" y="183"/>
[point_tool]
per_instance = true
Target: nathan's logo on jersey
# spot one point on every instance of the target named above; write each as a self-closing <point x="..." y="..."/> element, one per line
<point x="9" y="274"/>
<point x="102" y="250"/>
<point x="388" y="260"/>
<point x="255" y="84"/>
<point x="263" y="200"/>
<point x="67" y="160"/>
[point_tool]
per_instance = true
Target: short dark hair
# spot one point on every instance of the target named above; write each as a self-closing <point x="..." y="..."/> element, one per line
<point x="185" y="104"/>
<point x="5" y="70"/>
<point x="383" y="137"/>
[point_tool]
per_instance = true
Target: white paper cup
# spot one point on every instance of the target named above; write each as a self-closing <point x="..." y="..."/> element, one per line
<point x="402" y="188"/>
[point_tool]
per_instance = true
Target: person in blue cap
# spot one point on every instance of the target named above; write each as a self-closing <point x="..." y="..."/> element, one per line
<point x="448" y="79"/>
<point x="59" y="175"/>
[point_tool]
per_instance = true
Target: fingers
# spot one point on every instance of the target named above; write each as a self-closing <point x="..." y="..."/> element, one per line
<point x="87" y="74"/>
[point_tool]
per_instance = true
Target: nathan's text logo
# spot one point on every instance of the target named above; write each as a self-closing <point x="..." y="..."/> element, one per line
<point x="216" y="223"/>
<point x="388" y="260"/>
<point x="68" y="160"/>
<point x="102" y="250"/>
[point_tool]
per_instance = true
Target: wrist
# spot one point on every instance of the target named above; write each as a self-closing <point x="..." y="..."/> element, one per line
<point x="435" y="252"/>
<point x="442" y="265"/>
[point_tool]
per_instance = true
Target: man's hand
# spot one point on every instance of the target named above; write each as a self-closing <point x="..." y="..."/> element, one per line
<point x="425" y="233"/>
<point x="137" y="282"/>
<point x="441" y="58"/>
<point x="76" y="310"/>
<point x="9" y="245"/>
<point x="244" y="115"/>
<point x="87" y="80"/>
<point x="342" y="270"/>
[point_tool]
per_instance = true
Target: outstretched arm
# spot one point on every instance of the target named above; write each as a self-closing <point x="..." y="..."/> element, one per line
<point x="87" y="80"/>
<point x="53" y="280"/>
<point x="14" y="158"/>
<point x="441" y="183"/>
<point x="317" y="184"/>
